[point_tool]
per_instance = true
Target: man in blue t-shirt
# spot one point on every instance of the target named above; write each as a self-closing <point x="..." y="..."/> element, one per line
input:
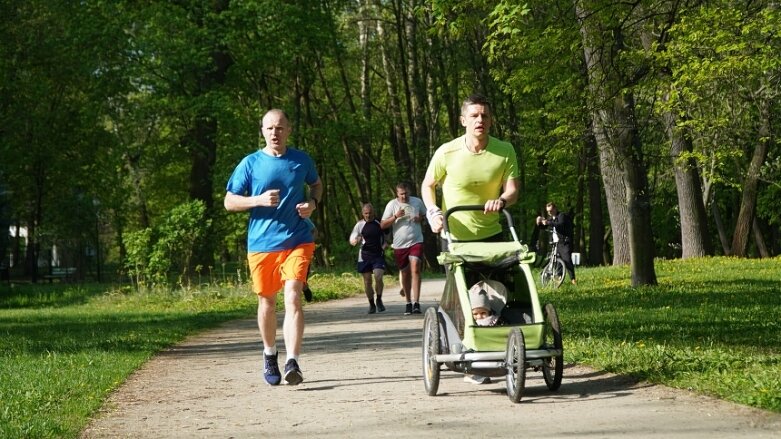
<point x="270" y="184"/>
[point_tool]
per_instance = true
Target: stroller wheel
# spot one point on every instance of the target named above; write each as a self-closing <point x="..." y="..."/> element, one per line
<point x="515" y="362"/>
<point x="553" y="367"/>
<point x="431" y="348"/>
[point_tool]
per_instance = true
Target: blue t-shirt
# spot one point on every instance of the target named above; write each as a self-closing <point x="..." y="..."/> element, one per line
<point x="275" y="228"/>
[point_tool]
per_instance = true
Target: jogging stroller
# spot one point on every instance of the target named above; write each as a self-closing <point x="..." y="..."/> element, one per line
<point x="526" y="335"/>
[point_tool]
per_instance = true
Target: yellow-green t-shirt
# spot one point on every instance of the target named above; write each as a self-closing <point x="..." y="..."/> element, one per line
<point x="468" y="178"/>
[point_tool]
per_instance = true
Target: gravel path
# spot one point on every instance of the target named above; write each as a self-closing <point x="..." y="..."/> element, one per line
<point x="363" y="380"/>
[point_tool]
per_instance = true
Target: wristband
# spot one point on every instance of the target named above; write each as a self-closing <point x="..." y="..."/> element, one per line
<point x="317" y="203"/>
<point x="432" y="213"/>
<point x="504" y="202"/>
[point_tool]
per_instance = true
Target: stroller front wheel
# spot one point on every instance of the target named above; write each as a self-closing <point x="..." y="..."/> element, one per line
<point x="515" y="362"/>
<point x="431" y="348"/>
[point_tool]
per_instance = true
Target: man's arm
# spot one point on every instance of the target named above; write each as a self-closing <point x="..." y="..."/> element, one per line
<point x="388" y="222"/>
<point x="355" y="235"/>
<point x="316" y="191"/>
<point x="510" y="192"/>
<point x="239" y="203"/>
<point x="428" y="193"/>
<point x="306" y="208"/>
<point x="507" y="198"/>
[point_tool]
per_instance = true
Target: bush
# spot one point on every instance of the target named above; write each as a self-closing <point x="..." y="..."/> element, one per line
<point x="154" y="253"/>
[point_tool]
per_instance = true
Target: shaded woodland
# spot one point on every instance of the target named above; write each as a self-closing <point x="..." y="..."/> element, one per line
<point x="654" y="123"/>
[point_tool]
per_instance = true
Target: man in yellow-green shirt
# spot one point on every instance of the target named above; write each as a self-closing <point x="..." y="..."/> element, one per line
<point x="472" y="169"/>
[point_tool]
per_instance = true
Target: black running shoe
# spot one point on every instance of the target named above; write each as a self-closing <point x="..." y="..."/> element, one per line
<point x="372" y="309"/>
<point x="293" y="375"/>
<point x="408" y="310"/>
<point x="271" y="369"/>
<point x="416" y="308"/>
<point x="380" y="306"/>
<point x="307" y="293"/>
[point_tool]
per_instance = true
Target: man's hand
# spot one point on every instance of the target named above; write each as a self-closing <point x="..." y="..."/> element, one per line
<point x="305" y="209"/>
<point x="269" y="198"/>
<point x="494" y="205"/>
<point x="436" y="223"/>
<point x="435" y="219"/>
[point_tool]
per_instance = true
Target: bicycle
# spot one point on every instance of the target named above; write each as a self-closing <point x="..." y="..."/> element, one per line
<point x="553" y="271"/>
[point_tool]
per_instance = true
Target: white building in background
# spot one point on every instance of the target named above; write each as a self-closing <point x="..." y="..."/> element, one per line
<point x="42" y="262"/>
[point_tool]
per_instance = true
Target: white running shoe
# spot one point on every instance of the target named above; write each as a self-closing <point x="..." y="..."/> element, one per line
<point x="477" y="379"/>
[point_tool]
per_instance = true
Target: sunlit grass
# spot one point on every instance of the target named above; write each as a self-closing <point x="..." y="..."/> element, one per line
<point x="64" y="348"/>
<point x="711" y="325"/>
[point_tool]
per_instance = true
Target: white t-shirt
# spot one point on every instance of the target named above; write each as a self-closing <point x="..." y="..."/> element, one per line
<point x="406" y="232"/>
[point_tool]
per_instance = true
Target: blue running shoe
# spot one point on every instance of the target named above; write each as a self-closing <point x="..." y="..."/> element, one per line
<point x="293" y="375"/>
<point x="271" y="370"/>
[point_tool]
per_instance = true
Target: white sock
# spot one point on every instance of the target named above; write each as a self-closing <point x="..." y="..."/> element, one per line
<point x="271" y="350"/>
<point x="291" y="357"/>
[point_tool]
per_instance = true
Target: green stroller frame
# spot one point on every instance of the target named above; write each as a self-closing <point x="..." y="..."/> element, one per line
<point x="529" y="336"/>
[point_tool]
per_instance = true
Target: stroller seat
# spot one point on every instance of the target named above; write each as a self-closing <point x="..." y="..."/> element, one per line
<point x="496" y="255"/>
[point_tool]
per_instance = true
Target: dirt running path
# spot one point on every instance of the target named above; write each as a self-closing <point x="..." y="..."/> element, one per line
<point x="363" y="380"/>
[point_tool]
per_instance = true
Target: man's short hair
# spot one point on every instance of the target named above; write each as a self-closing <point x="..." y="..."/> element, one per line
<point x="476" y="99"/>
<point x="404" y="185"/>
<point x="273" y="110"/>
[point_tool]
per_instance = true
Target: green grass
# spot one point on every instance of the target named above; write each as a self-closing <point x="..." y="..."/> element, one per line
<point x="64" y="348"/>
<point x="711" y="325"/>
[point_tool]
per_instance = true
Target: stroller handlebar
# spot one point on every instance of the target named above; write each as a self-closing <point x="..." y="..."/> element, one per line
<point x="478" y="207"/>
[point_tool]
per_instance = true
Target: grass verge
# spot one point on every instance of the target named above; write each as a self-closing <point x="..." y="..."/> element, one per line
<point x="711" y="325"/>
<point x="64" y="348"/>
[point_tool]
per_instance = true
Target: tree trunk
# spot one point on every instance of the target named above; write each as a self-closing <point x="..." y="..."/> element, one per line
<point x="417" y="96"/>
<point x="725" y="244"/>
<point x="596" y="229"/>
<point x="748" y="200"/>
<point x="615" y="195"/>
<point x="694" y="222"/>
<point x="202" y="144"/>
<point x="638" y="198"/>
<point x="759" y="240"/>
<point x="398" y="135"/>
<point x="620" y="148"/>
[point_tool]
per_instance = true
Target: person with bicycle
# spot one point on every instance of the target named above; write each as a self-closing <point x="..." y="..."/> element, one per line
<point x="561" y="228"/>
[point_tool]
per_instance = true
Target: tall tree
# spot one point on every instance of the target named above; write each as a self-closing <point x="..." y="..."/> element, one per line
<point x="604" y="40"/>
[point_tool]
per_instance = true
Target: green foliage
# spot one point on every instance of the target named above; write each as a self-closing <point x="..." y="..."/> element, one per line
<point x="101" y="100"/>
<point x="153" y="253"/>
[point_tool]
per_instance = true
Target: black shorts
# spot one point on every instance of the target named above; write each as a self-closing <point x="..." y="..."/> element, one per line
<point x="368" y="265"/>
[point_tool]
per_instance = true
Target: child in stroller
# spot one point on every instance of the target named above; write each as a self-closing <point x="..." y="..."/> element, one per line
<point x="487" y="298"/>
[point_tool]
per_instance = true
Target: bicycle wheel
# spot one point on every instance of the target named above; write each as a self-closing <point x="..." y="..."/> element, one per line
<point x="552" y="275"/>
<point x="557" y="273"/>
<point x="546" y="273"/>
